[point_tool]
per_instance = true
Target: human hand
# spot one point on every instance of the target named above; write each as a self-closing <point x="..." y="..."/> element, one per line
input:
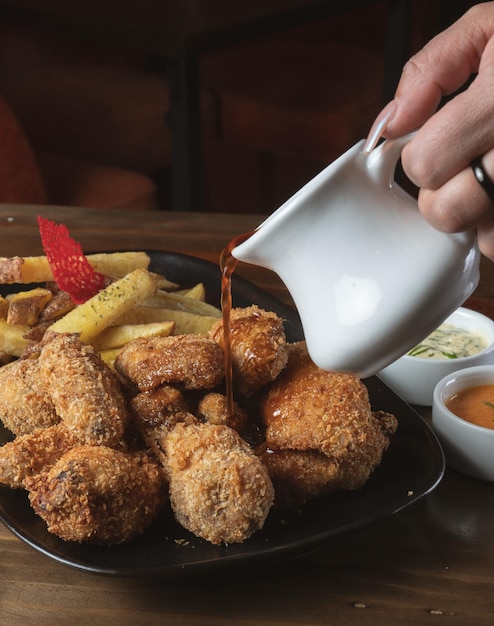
<point x="438" y="159"/>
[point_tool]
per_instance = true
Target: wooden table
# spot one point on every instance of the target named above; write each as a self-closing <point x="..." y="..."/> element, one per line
<point x="180" y="31"/>
<point x="432" y="563"/>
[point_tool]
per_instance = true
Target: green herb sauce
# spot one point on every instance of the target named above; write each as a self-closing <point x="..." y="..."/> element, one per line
<point x="449" y="342"/>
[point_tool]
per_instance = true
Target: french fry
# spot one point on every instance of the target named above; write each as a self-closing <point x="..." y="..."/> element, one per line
<point x="26" y="306"/>
<point x="198" y="292"/>
<point x="109" y="356"/>
<point x="118" y="336"/>
<point x="107" y="307"/>
<point x="36" y="269"/>
<point x="162" y="282"/>
<point x="12" y="340"/>
<point x="136" y="304"/>
<point x="119" y="264"/>
<point x="177" y="302"/>
<point x="23" y="270"/>
<point x="185" y="322"/>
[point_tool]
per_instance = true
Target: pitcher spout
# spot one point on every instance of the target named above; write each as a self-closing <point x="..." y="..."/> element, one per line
<point x="255" y="250"/>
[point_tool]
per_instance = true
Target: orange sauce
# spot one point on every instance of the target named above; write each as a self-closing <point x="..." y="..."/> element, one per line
<point x="475" y="405"/>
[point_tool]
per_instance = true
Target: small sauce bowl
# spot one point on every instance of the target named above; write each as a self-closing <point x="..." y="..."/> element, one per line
<point x="468" y="448"/>
<point x="414" y="377"/>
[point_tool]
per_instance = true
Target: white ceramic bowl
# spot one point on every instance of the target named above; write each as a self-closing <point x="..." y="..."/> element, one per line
<point x="414" y="378"/>
<point x="468" y="448"/>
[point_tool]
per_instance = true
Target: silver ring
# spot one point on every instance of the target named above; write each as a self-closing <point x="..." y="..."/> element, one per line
<point x="482" y="178"/>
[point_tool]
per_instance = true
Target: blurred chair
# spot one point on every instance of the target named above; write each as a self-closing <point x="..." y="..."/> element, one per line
<point x="72" y="182"/>
<point x="307" y="94"/>
<point x="20" y="179"/>
<point x="275" y="110"/>
<point x="94" y="119"/>
<point x="27" y="177"/>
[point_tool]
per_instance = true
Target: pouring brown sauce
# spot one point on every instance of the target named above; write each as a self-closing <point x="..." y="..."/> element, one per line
<point x="228" y="263"/>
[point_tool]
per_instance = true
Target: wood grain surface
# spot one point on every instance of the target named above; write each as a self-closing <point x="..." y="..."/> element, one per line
<point x="432" y="563"/>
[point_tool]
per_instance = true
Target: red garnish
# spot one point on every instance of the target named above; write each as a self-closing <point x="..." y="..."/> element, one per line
<point x="70" y="268"/>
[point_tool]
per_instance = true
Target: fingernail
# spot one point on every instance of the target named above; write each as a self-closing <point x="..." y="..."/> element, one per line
<point x="381" y="123"/>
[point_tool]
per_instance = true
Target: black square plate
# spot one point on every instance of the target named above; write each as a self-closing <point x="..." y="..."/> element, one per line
<point x="411" y="468"/>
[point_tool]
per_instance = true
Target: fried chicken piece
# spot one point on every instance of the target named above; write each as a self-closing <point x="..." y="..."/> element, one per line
<point x="158" y="407"/>
<point x="387" y="422"/>
<point x="85" y="392"/>
<point x="190" y="361"/>
<point x="99" y="495"/>
<point x="299" y="476"/>
<point x="156" y="412"/>
<point x="213" y="408"/>
<point x="309" y="409"/>
<point x="219" y="489"/>
<point x="258" y="346"/>
<point x="24" y="402"/>
<point x="33" y="453"/>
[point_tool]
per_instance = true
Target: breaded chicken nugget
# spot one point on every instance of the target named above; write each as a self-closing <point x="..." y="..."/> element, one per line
<point x="24" y="401"/>
<point x="85" y="392"/>
<point x="156" y="412"/>
<point x="258" y="347"/>
<point x="96" y="494"/>
<point x="190" y="361"/>
<point x="309" y="409"/>
<point x="213" y="408"/>
<point x="219" y="489"/>
<point x="33" y="453"/>
<point x="157" y="407"/>
<point x="300" y="476"/>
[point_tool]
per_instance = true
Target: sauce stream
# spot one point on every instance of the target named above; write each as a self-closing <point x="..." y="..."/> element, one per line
<point x="228" y="263"/>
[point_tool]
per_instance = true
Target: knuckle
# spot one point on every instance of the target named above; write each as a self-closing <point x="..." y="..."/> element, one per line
<point x="441" y="212"/>
<point x="420" y="168"/>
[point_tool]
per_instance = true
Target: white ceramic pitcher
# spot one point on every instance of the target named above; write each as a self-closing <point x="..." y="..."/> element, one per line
<point x="369" y="276"/>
